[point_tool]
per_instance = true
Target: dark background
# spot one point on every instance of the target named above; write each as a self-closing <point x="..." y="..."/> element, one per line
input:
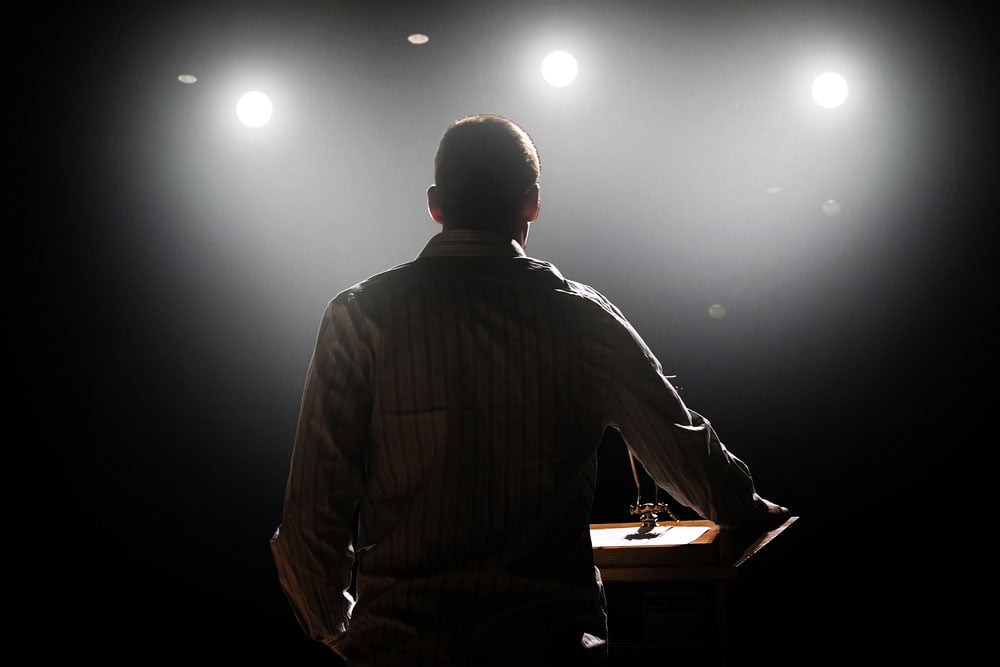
<point x="167" y="270"/>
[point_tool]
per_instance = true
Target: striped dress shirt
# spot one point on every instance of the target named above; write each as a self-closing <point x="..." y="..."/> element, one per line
<point x="445" y="459"/>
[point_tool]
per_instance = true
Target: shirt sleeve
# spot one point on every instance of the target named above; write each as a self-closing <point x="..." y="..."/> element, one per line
<point x="313" y="546"/>
<point x="677" y="446"/>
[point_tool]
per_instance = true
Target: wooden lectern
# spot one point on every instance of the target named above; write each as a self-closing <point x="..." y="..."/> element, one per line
<point x="667" y="587"/>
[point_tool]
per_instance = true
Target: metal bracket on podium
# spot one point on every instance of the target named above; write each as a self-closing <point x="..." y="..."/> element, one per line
<point x="648" y="513"/>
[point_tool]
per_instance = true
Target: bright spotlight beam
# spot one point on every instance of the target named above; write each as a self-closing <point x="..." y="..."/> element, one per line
<point x="254" y="109"/>
<point x="559" y="69"/>
<point x="829" y="90"/>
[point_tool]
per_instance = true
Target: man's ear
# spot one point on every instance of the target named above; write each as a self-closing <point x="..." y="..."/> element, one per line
<point x="434" y="204"/>
<point x="532" y="204"/>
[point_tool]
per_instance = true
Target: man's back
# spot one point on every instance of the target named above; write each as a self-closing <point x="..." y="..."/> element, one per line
<point x="490" y="374"/>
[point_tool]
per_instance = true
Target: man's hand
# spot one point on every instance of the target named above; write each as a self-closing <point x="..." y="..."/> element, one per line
<point x="776" y="515"/>
<point x="734" y="542"/>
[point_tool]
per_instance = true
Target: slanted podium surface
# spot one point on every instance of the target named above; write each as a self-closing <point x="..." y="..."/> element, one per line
<point x="673" y="550"/>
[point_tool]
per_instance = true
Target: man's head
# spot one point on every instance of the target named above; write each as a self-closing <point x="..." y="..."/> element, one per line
<point x="485" y="176"/>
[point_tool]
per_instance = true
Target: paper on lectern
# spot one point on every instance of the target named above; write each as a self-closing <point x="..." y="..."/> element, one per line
<point x="659" y="536"/>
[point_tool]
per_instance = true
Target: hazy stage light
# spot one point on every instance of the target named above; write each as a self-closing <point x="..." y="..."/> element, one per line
<point x="831" y="207"/>
<point x="716" y="311"/>
<point x="418" y="38"/>
<point x="829" y="90"/>
<point x="254" y="109"/>
<point x="559" y="68"/>
<point x="187" y="78"/>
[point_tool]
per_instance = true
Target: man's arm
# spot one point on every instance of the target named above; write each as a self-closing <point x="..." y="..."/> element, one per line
<point x="679" y="448"/>
<point x="313" y="547"/>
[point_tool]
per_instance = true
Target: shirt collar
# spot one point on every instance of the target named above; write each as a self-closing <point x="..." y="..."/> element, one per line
<point x="471" y="243"/>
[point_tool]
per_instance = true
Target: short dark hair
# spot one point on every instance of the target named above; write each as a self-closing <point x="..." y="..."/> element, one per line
<point x="484" y="166"/>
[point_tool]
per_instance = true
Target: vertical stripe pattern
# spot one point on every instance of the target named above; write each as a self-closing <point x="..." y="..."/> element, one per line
<point x="453" y="407"/>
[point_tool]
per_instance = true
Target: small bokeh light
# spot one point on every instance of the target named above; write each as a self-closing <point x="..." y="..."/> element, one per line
<point x="418" y="38"/>
<point x="187" y="78"/>
<point x="717" y="312"/>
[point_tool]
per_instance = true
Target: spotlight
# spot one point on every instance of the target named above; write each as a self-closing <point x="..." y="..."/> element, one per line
<point x="254" y="109"/>
<point x="559" y="68"/>
<point x="829" y="90"/>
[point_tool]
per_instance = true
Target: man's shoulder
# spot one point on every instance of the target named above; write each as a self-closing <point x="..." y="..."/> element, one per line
<point x="375" y="283"/>
<point x="592" y="296"/>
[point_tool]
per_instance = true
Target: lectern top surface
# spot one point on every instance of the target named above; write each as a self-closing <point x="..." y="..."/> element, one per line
<point x="631" y="536"/>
